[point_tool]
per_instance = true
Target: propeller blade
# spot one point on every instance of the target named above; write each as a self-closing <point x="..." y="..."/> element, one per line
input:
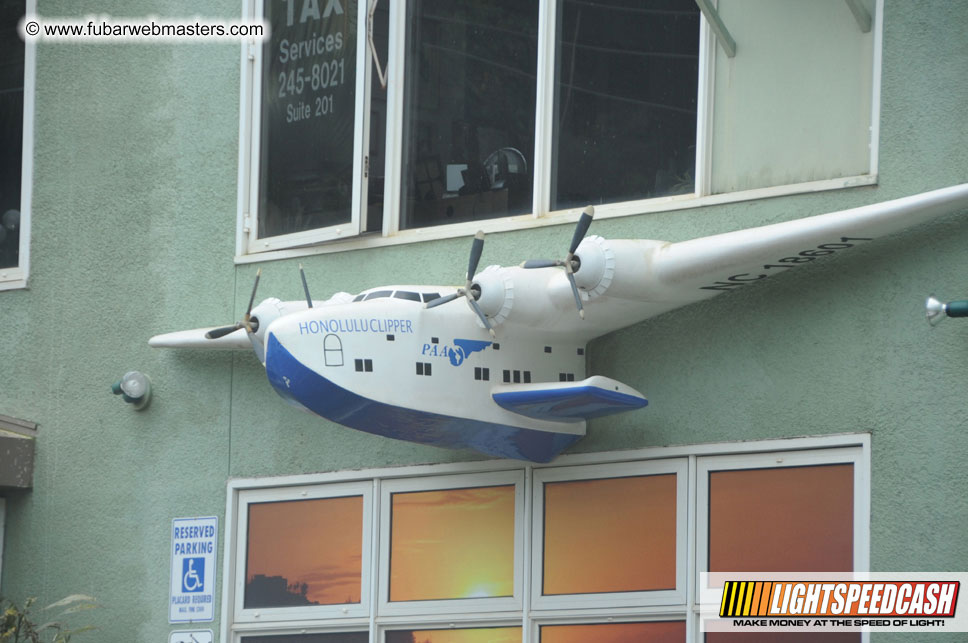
<point x="255" y="286"/>
<point x="581" y="229"/>
<point x="481" y="315"/>
<point x="574" y="290"/>
<point x="444" y="300"/>
<point x="542" y="263"/>
<point x="302" y="273"/>
<point x="215" y="333"/>
<point x="477" y="247"/>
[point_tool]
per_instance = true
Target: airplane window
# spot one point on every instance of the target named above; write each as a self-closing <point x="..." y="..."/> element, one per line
<point x="430" y="296"/>
<point x="379" y="293"/>
<point x="405" y="294"/>
<point x="359" y="298"/>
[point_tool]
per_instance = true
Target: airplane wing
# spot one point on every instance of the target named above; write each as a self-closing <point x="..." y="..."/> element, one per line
<point x="626" y="281"/>
<point x="195" y="338"/>
<point x="568" y="401"/>
<point x="730" y="260"/>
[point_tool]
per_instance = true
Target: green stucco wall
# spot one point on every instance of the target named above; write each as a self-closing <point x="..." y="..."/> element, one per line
<point x="135" y="182"/>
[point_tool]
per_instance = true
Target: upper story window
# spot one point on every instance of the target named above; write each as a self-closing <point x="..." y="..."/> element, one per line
<point x="16" y="135"/>
<point x="509" y="108"/>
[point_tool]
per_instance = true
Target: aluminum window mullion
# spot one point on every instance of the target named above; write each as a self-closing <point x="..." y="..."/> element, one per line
<point x="361" y="124"/>
<point x="705" y="101"/>
<point x="393" y="168"/>
<point x="544" y="109"/>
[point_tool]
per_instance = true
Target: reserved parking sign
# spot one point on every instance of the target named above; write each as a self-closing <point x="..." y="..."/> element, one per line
<point x="194" y="545"/>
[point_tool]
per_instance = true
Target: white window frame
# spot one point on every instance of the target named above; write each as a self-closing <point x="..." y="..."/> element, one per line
<point x="250" y="142"/>
<point x="858" y="456"/>
<point x="437" y="483"/>
<point x="697" y="461"/>
<point x="16" y="277"/>
<point x="677" y="596"/>
<point x="304" y="244"/>
<point x="315" y="612"/>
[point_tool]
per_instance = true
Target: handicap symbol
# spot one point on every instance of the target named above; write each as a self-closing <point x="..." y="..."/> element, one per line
<point x="192" y="579"/>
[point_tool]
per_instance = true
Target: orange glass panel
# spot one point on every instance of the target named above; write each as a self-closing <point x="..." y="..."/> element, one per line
<point x="454" y="543"/>
<point x="797" y="519"/>
<point x="610" y="535"/>
<point x="478" y="635"/>
<point x="304" y="552"/>
<point x="661" y="632"/>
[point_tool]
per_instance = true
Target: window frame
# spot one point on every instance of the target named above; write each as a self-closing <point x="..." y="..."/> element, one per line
<point x="458" y="613"/>
<point x="306" y="244"/>
<point x="512" y="603"/>
<point x="242" y="614"/>
<point x="650" y="598"/>
<point x="16" y="277"/>
<point x="250" y="144"/>
<point x="858" y="456"/>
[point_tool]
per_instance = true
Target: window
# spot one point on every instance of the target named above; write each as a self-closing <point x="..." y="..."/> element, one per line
<point x="518" y="107"/>
<point x="16" y="144"/>
<point x="604" y="547"/>
<point x="333" y="350"/>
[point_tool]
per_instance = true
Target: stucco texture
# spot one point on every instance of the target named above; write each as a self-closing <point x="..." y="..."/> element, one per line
<point x="134" y="223"/>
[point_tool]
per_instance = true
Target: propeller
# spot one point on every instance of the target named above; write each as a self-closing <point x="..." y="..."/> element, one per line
<point x="570" y="263"/>
<point x="477" y="247"/>
<point x="249" y="323"/>
<point x="302" y="273"/>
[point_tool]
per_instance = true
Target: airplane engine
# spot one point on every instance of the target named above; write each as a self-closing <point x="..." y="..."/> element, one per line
<point x="497" y="293"/>
<point x="268" y="311"/>
<point x="597" y="266"/>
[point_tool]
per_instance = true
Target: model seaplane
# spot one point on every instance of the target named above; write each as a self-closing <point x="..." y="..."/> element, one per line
<point x="498" y="365"/>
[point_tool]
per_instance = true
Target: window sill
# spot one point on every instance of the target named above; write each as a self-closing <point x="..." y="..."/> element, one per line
<point x="524" y="222"/>
<point x="12" y="279"/>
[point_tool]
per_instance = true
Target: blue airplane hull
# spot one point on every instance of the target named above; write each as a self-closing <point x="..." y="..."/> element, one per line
<point x="294" y="381"/>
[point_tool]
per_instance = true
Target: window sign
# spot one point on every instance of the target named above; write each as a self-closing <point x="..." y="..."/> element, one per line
<point x="471" y="635"/>
<point x="308" y="116"/>
<point x="474" y="560"/>
<point x="581" y="514"/>
<point x="304" y="552"/>
<point x="654" y="632"/>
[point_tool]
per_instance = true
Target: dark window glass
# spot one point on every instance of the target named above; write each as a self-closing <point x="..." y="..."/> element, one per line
<point x="359" y="298"/>
<point x="308" y="114"/>
<point x="404" y="294"/>
<point x="430" y="296"/>
<point x="469" y="110"/>
<point x="377" y="294"/>
<point x="11" y="130"/>
<point x="625" y="100"/>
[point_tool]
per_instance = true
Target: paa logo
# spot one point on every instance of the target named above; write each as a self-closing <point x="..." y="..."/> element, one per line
<point x="463" y="348"/>
<point x="456" y="353"/>
<point x="193" y="574"/>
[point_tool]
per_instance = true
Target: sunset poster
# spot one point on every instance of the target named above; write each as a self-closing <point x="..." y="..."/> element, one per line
<point x="304" y="552"/>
